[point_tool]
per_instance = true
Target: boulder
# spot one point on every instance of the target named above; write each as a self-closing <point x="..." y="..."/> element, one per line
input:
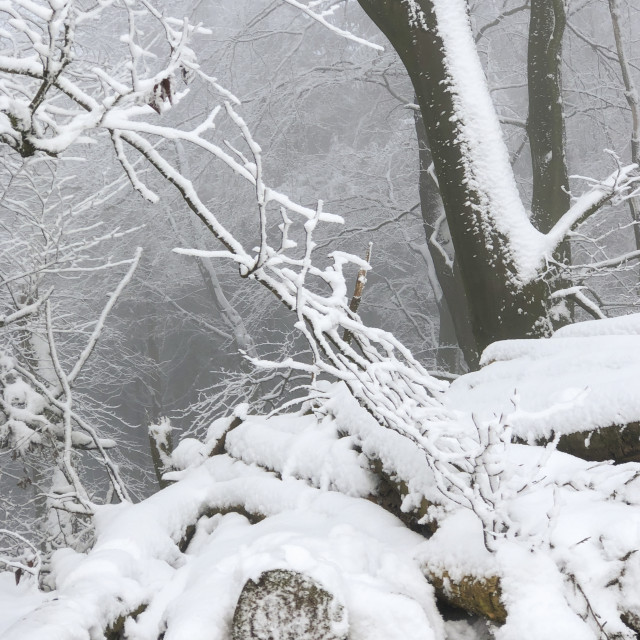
<point x="287" y="605"/>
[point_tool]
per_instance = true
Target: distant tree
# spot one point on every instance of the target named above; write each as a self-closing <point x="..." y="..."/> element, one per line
<point x="56" y="456"/>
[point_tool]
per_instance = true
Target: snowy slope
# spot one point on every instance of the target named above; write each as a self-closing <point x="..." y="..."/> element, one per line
<point x="292" y="492"/>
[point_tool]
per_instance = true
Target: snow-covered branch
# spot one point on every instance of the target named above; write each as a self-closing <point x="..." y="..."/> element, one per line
<point x="25" y="311"/>
<point x="321" y="18"/>
<point x="576" y="293"/>
<point x="622" y="184"/>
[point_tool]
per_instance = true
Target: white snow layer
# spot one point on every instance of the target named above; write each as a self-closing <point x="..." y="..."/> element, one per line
<point x="290" y="492"/>
<point x="622" y="325"/>
<point x="584" y="378"/>
<point x="359" y="552"/>
<point x="486" y="157"/>
<point x="17" y="601"/>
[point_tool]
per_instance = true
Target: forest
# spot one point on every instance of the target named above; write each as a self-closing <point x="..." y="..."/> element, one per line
<point x="319" y="319"/>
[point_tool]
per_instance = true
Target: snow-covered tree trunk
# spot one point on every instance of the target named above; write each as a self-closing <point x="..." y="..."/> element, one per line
<point x="455" y="327"/>
<point x="484" y="211"/>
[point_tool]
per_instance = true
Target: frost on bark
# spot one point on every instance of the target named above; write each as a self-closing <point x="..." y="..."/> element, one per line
<point x="501" y="305"/>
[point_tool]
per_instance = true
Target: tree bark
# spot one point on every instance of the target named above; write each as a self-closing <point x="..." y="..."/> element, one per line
<point x="545" y="124"/>
<point x="633" y="99"/>
<point x="546" y="128"/>
<point x="455" y="323"/>
<point x="500" y="306"/>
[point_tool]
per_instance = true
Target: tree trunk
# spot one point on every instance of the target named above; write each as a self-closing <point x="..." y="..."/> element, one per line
<point x="545" y="126"/>
<point x="455" y="324"/>
<point x="633" y="99"/>
<point x="501" y="306"/>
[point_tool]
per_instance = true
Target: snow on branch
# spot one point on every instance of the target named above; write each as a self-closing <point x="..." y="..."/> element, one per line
<point x="25" y="311"/>
<point x="577" y="294"/>
<point x="622" y="184"/>
<point x="321" y="18"/>
<point x="40" y="421"/>
<point x="50" y="96"/>
<point x="27" y="561"/>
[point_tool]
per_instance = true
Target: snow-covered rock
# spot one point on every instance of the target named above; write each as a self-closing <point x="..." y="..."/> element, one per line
<point x="582" y="381"/>
<point x="288" y="605"/>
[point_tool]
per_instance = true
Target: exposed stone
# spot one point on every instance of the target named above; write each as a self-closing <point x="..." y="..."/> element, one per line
<point x="287" y="605"/>
<point x="390" y="495"/>
<point x="115" y="631"/>
<point x="479" y="596"/>
<point x="618" y="443"/>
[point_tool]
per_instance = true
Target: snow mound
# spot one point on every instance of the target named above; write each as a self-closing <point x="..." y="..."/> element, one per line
<point x="564" y="560"/>
<point x="622" y="325"/>
<point x="583" y="379"/>
<point x="186" y="584"/>
<point x="17" y="602"/>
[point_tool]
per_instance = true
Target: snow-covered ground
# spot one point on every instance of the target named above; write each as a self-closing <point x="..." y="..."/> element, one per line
<point x="290" y="492"/>
<point x="17" y="601"/>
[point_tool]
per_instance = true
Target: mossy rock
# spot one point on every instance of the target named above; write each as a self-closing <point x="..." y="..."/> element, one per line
<point x="287" y="605"/>
<point x="620" y="443"/>
<point x="390" y="494"/>
<point x="479" y="596"/>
